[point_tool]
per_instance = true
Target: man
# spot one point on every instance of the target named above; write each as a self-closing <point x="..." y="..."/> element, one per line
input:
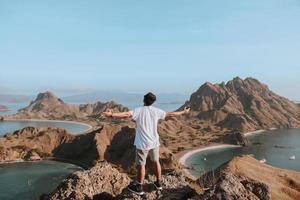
<point x="146" y="138"/>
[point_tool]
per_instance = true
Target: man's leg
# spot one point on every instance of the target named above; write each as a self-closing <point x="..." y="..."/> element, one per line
<point x="157" y="169"/>
<point x="154" y="156"/>
<point x="140" y="159"/>
<point x="141" y="171"/>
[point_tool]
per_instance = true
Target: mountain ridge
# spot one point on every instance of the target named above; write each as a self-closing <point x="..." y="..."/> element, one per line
<point x="47" y="106"/>
<point x="244" y="105"/>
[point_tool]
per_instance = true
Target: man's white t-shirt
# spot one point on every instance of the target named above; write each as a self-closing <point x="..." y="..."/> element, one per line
<point x="146" y="119"/>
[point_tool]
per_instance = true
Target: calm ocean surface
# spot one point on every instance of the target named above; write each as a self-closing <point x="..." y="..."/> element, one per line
<point x="11" y="126"/>
<point x="28" y="180"/>
<point x="275" y="146"/>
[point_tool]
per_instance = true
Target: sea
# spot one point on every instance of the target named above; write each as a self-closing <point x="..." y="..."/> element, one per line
<point x="279" y="148"/>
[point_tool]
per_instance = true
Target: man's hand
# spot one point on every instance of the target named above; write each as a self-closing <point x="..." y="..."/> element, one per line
<point x="186" y="110"/>
<point x="107" y="113"/>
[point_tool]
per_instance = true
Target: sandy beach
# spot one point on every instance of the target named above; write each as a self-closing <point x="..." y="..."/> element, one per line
<point x="255" y="132"/>
<point x="185" y="156"/>
<point x="182" y="159"/>
<point x="90" y="127"/>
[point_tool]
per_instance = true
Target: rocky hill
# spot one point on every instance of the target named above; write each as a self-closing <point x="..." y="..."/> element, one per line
<point x="48" y="106"/>
<point x="243" y="178"/>
<point x="111" y="142"/>
<point x="104" y="181"/>
<point x="243" y="105"/>
<point x="32" y="143"/>
<point x="247" y="178"/>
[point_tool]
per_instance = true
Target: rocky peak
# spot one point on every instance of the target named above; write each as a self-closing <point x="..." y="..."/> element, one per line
<point x="105" y="182"/>
<point x="246" y="178"/>
<point x="243" y="104"/>
<point x="208" y="89"/>
<point x="44" y="96"/>
<point x="47" y="105"/>
<point x="248" y="86"/>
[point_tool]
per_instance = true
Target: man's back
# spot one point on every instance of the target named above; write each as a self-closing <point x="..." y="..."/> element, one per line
<point x="146" y="139"/>
<point x="146" y="119"/>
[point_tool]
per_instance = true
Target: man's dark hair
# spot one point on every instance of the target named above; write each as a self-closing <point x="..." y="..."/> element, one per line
<point x="149" y="99"/>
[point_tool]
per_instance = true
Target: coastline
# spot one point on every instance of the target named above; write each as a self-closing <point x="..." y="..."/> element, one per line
<point x="89" y="127"/>
<point x="256" y="132"/>
<point x="182" y="159"/>
<point x="73" y="162"/>
<point x="184" y="156"/>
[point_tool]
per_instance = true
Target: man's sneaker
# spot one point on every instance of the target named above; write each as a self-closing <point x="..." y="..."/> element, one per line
<point x="157" y="184"/>
<point x="136" y="188"/>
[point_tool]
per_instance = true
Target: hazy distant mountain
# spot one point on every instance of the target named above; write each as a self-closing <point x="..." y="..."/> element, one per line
<point x="48" y="106"/>
<point x="243" y="104"/>
<point x="124" y="97"/>
<point x="10" y="98"/>
<point x="3" y="108"/>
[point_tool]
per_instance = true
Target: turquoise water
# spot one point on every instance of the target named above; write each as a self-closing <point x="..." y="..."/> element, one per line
<point x="11" y="126"/>
<point x="274" y="146"/>
<point x="28" y="180"/>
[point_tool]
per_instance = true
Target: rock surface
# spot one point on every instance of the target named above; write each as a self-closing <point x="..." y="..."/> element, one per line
<point x="246" y="178"/>
<point x="105" y="182"/>
<point x="89" y="183"/>
<point x="244" y="105"/>
<point x="237" y="138"/>
<point x="32" y="143"/>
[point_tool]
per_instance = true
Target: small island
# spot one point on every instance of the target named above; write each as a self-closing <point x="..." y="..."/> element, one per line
<point x="4" y="108"/>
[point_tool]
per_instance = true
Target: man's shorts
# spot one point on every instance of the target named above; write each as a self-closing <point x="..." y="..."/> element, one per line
<point x="141" y="155"/>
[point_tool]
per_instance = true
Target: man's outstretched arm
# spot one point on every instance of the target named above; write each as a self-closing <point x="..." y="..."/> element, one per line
<point x="186" y="110"/>
<point x="109" y="113"/>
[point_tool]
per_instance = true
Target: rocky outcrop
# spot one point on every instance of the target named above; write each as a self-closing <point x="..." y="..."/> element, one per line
<point x="235" y="138"/>
<point x="243" y="105"/>
<point x="111" y="142"/>
<point x="231" y="186"/>
<point x="246" y="178"/>
<point x="48" y="106"/>
<point x="105" y="182"/>
<point x="32" y="143"/>
<point x="176" y="187"/>
<point x="102" y="178"/>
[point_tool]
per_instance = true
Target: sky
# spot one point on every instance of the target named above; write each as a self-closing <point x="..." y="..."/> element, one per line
<point x="79" y="46"/>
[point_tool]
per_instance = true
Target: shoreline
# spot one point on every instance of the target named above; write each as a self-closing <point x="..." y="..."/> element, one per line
<point x="182" y="159"/>
<point x="62" y="160"/>
<point x="257" y="132"/>
<point x="89" y="127"/>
